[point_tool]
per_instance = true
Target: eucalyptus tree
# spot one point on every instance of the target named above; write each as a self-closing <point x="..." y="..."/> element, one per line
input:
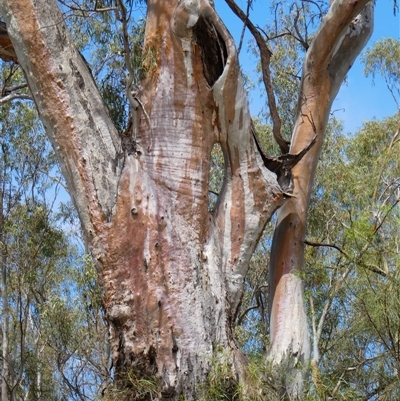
<point x="353" y="254"/>
<point x="352" y="265"/>
<point x="172" y="271"/>
<point x="43" y="357"/>
<point x="24" y="160"/>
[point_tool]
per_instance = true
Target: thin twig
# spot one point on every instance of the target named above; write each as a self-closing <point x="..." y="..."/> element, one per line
<point x="15" y="87"/>
<point x="299" y="35"/>
<point x="321" y="244"/>
<point x="385" y="216"/>
<point x="88" y="10"/>
<point x="244" y="27"/>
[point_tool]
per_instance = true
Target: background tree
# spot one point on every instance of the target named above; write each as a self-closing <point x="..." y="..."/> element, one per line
<point x="43" y="356"/>
<point x="353" y="255"/>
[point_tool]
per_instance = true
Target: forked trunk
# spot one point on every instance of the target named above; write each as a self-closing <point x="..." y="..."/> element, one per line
<point x="173" y="272"/>
<point x="172" y="297"/>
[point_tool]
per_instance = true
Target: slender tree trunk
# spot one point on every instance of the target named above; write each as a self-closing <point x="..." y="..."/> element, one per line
<point x="4" y="298"/>
<point x="332" y="52"/>
<point x="5" y="329"/>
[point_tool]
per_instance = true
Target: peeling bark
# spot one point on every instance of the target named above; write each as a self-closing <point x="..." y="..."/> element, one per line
<point x="172" y="272"/>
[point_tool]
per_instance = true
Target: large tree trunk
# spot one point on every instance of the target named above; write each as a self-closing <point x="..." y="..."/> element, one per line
<point x="172" y="271"/>
<point x="341" y="37"/>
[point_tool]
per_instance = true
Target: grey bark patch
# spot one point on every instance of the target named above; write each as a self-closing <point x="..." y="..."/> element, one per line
<point x="77" y="74"/>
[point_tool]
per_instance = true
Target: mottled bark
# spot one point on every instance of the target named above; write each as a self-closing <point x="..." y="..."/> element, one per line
<point x="342" y="35"/>
<point x="172" y="271"/>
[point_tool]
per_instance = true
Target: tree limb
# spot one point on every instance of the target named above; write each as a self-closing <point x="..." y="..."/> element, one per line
<point x="244" y="27"/>
<point x="265" y="55"/>
<point x="321" y="244"/>
<point x="71" y="107"/>
<point x="13" y="96"/>
<point x="329" y="36"/>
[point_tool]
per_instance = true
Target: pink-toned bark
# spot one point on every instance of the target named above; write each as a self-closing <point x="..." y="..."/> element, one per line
<point x="344" y="32"/>
<point x="172" y="271"/>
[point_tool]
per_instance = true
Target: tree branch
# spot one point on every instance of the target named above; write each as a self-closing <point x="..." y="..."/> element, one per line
<point x="71" y="107"/>
<point x="329" y="36"/>
<point x="88" y="10"/>
<point x="13" y="96"/>
<point x="296" y="28"/>
<point x="256" y="294"/>
<point x="244" y="27"/>
<point x="265" y="55"/>
<point x="321" y="244"/>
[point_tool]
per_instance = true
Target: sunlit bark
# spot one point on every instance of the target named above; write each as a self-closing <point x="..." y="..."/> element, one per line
<point x="341" y="37"/>
<point x="172" y="271"/>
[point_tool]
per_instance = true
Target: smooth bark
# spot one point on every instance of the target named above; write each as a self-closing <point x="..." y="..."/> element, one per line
<point x="172" y="272"/>
<point x="342" y="35"/>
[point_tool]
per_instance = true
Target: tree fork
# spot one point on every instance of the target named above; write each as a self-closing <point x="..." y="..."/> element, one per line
<point x="172" y="272"/>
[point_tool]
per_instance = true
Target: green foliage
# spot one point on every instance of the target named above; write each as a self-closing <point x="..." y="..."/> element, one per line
<point x="52" y="317"/>
<point x="50" y="308"/>
<point x="111" y="71"/>
<point x="351" y="276"/>
<point x="98" y="35"/>
<point x="133" y="386"/>
<point x="260" y="384"/>
<point x="221" y="385"/>
<point x="288" y="37"/>
<point x="383" y="59"/>
<point x="352" y="264"/>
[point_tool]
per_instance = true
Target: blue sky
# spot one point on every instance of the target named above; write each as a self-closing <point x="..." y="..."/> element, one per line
<point x="358" y="100"/>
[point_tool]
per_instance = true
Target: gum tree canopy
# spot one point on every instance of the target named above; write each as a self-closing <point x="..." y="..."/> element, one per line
<point x="172" y="271"/>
